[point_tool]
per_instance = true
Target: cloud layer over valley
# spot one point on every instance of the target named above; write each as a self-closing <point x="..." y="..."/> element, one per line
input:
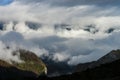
<point x="75" y="31"/>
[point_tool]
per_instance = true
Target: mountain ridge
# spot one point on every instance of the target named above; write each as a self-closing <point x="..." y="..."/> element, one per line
<point x="32" y="66"/>
<point x="108" y="58"/>
<point x="107" y="71"/>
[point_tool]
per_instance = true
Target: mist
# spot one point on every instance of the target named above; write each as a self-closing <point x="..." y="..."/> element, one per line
<point x="75" y="33"/>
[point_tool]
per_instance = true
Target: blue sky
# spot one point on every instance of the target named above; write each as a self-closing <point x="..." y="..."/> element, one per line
<point x="70" y="3"/>
<point x="5" y="2"/>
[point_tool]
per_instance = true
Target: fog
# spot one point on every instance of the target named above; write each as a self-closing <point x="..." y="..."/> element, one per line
<point x="72" y="31"/>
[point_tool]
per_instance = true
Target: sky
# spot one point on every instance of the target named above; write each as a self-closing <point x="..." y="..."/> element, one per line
<point x="75" y="31"/>
<point x="5" y="2"/>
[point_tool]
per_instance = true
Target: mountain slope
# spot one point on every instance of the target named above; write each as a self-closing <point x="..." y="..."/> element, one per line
<point x="30" y="68"/>
<point x="31" y="62"/>
<point x="10" y="72"/>
<point x="4" y="64"/>
<point x="57" y="68"/>
<point x="110" y="57"/>
<point x="108" y="71"/>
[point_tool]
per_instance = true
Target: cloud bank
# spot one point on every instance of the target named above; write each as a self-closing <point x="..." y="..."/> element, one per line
<point x="73" y="31"/>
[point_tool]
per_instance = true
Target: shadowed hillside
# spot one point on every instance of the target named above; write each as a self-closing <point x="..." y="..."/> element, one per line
<point x="106" y="68"/>
<point x="29" y="69"/>
<point x="31" y="62"/>
<point x="109" y="71"/>
<point x="108" y="58"/>
<point x="10" y="72"/>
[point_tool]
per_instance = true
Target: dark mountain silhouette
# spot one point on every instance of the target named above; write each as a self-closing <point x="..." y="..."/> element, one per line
<point x="110" y="57"/>
<point x="12" y="73"/>
<point x="33" y="25"/>
<point x="106" y="68"/>
<point x="57" y="68"/>
<point x="108" y="71"/>
<point x="1" y="25"/>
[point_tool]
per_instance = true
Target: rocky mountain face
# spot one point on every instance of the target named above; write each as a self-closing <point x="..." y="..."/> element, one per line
<point x="110" y="57"/>
<point x="106" y="68"/>
<point x="31" y="62"/>
<point x="57" y="68"/>
<point x="10" y="72"/>
<point x="30" y="68"/>
<point x="108" y="71"/>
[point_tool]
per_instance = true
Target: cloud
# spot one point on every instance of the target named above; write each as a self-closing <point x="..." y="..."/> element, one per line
<point x="69" y="3"/>
<point x="99" y="48"/>
<point x="76" y="31"/>
<point x="59" y="57"/>
<point x="6" y="54"/>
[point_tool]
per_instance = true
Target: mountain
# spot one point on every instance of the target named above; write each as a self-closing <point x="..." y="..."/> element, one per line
<point x="108" y="71"/>
<point x="112" y="56"/>
<point x="31" y="62"/>
<point x="33" y="25"/>
<point x="1" y="25"/>
<point x="30" y="68"/>
<point x="105" y="68"/>
<point x="108" y="58"/>
<point x="10" y="72"/>
<point x="57" y="68"/>
<point x="4" y="64"/>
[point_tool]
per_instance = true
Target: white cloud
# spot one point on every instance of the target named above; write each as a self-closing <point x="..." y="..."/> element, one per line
<point x="82" y="43"/>
<point x="60" y="57"/>
<point x="6" y="54"/>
